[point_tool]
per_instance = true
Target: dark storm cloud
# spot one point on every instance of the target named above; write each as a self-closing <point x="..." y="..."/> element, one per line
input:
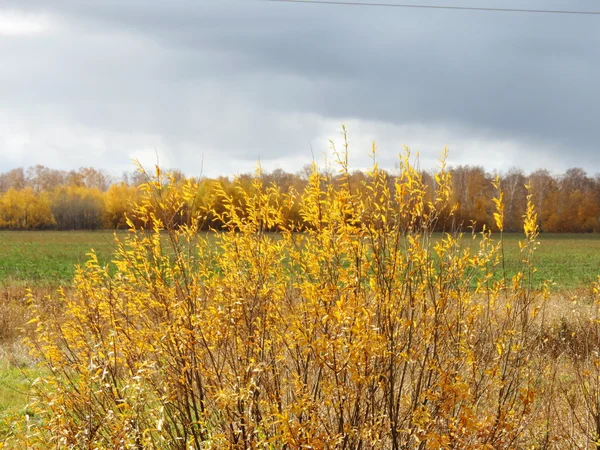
<point x="249" y="79"/>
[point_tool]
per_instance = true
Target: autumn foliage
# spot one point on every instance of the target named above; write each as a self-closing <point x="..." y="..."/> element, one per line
<point x="325" y="318"/>
<point x="43" y="198"/>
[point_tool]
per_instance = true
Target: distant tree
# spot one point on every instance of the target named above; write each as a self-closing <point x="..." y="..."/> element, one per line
<point x="118" y="201"/>
<point x="543" y="187"/>
<point x="472" y="189"/>
<point x="25" y="210"/>
<point x="14" y="179"/>
<point x="134" y="178"/>
<point x="581" y="209"/>
<point x="76" y="207"/>
<point x="44" y="179"/>
<point x="571" y="205"/>
<point x="96" y="179"/>
<point x="515" y="198"/>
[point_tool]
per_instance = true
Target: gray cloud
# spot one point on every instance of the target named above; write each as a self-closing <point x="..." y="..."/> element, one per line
<point x="236" y="81"/>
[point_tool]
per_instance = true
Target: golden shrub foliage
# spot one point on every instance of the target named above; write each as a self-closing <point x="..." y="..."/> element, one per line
<point x="362" y="331"/>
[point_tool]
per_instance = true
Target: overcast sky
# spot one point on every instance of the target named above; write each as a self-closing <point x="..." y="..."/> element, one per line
<point x="99" y="82"/>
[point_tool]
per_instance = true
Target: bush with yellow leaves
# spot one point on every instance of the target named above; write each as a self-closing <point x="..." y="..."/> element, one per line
<point x="361" y="330"/>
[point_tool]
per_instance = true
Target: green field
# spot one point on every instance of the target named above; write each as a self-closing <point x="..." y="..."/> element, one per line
<point x="570" y="261"/>
<point x="48" y="258"/>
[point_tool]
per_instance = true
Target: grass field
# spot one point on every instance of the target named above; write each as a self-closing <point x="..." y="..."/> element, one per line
<point x="48" y="258"/>
<point x="45" y="260"/>
<point x="571" y="261"/>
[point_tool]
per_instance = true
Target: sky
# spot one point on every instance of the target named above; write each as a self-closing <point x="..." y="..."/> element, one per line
<point x="212" y="87"/>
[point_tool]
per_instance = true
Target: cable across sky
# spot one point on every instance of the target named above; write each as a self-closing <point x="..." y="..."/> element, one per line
<point x="441" y="7"/>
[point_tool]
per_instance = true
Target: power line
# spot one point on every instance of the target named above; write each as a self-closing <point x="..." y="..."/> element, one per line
<point x="455" y="8"/>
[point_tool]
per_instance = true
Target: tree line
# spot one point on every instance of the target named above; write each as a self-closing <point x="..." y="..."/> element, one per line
<point x="89" y="199"/>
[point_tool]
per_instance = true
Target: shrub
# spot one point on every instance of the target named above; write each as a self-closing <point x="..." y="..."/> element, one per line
<point x="361" y="331"/>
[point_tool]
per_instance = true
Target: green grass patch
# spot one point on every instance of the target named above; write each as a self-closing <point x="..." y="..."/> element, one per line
<point x="15" y="386"/>
<point x="15" y="383"/>
<point x="48" y="258"/>
<point x="571" y="261"/>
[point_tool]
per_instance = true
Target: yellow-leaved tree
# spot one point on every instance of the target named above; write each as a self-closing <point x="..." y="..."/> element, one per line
<point x="25" y="209"/>
<point x="118" y="203"/>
